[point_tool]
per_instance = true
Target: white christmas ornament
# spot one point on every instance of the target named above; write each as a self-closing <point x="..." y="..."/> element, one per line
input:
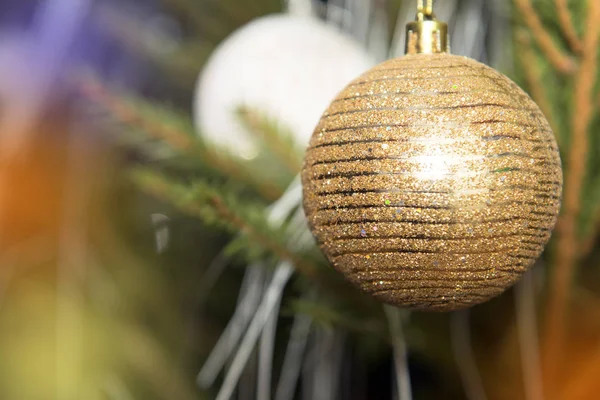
<point x="288" y="67"/>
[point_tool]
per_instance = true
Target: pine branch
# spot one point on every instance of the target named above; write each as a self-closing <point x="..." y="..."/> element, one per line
<point x="128" y="114"/>
<point x="567" y="246"/>
<point x="277" y="139"/>
<point x="565" y="20"/>
<point x="156" y="123"/>
<point x="220" y="210"/>
<point x="210" y="206"/>
<point x="280" y="251"/>
<point x="561" y="61"/>
<point x="533" y="77"/>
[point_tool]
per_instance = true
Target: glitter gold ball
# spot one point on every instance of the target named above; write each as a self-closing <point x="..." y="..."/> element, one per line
<point x="432" y="182"/>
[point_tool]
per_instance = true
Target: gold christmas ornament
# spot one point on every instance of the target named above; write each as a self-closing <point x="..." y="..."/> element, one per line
<point x="432" y="181"/>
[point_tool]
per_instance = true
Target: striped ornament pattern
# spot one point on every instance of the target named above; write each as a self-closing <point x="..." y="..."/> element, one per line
<point x="432" y="182"/>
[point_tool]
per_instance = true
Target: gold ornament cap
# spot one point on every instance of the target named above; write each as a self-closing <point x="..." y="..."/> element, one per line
<point x="426" y="35"/>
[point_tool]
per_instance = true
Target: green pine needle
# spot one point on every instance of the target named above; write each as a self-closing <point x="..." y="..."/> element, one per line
<point x="277" y="139"/>
<point x="176" y="132"/>
<point x="223" y="210"/>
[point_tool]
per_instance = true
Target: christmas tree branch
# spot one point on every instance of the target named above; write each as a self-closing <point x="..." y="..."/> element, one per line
<point x="275" y="138"/>
<point x="232" y="168"/>
<point x="567" y="245"/>
<point x="530" y="66"/>
<point x="561" y="61"/>
<point x="280" y="251"/>
<point x="177" y="138"/>
<point x="565" y="20"/>
<point x="125" y="113"/>
<point x="211" y="207"/>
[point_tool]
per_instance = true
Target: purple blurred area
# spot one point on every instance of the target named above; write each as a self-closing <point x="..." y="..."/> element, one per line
<point x="57" y="39"/>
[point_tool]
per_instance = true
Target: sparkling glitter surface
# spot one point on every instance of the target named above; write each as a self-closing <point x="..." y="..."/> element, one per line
<point x="432" y="182"/>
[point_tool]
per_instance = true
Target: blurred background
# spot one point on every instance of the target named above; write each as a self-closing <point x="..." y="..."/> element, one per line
<point x="152" y="243"/>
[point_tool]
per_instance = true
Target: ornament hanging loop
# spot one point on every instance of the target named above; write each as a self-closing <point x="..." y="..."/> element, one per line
<point x="426" y="35"/>
<point x="425" y="11"/>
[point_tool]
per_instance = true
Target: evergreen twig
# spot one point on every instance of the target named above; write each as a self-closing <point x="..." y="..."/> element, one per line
<point x="125" y="113"/>
<point x="280" y="251"/>
<point x="561" y="61"/>
<point x="533" y="77"/>
<point x="567" y="246"/>
<point x="217" y="210"/>
<point x="566" y="23"/>
<point x="276" y="139"/>
<point x="206" y="203"/>
<point x="156" y="128"/>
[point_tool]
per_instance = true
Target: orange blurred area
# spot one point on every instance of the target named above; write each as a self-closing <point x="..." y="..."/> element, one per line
<point x="75" y="299"/>
<point x="55" y="176"/>
<point x="577" y="379"/>
<point x="34" y="187"/>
